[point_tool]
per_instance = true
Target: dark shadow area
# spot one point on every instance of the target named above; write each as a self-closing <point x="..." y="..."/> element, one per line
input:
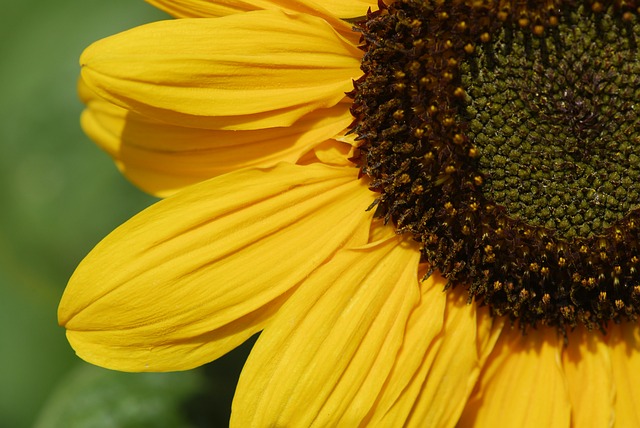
<point x="212" y="406"/>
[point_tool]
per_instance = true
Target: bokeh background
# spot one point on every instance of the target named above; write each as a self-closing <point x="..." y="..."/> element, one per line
<point x="59" y="195"/>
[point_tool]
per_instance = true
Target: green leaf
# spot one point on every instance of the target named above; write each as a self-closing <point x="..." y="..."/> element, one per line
<point x="100" y="398"/>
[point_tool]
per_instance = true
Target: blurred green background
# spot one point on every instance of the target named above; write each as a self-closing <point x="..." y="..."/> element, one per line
<point x="59" y="196"/>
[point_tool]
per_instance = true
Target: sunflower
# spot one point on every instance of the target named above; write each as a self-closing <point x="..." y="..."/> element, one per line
<point x="329" y="168"/>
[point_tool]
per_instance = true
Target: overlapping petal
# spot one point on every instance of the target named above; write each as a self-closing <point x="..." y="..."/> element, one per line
<point x="327" y="10"/>
<point x="422" y="340"/>
<point x="210" y="8"/>
<point x="351" y="8"/>
<point x="253" y="70"/>
<point x="587" y="366"/>
<point x="624" y="348"/>
<point x="324" y="358"/>
<point x="162" y="158"/>
<point x="330" y="152"/>
<point x="196" y="274"/>
<point x="451" y="365"/>
<point x="522" y="384"/>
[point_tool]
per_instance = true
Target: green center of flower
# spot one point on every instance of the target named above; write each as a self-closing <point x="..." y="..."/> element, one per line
<point x="556" y="123"/>
<point x="504" y="136"/>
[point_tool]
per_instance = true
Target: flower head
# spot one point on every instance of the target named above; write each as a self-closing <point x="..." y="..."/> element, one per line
<point x="329" y="168"/>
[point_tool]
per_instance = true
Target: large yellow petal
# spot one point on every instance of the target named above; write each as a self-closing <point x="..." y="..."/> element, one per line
<point x="325" y="357"/>
<point x="587" y="366"/>
<point x="191" y="277"/>
<point x="624" y="347"/>
<point x="254" y="70"/>
<point x="162" y="158"/>
<point x="522" y="384"/>
<point x="329" y="11"/>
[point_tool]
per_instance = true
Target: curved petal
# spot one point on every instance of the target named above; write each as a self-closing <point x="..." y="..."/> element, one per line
<point x="328" y="352"/>
<point x="162" y="158"/>
<point x="587" y="366"/>
<point x="522" y="384"/>
<point x="254" y="70"/>
<point x="194" y="275"/>
<point x="379" y="230"/>
<point x="212" y="9"/>
<point x="330" y="152"/>
<point x="624" y="348"/>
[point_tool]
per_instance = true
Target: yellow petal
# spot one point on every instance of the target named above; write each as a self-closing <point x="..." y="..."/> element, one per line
<point x="212" y="9"/>
<point x="162" y="158"/>
<point x="624" y="347"/>
<point x="194" y="275"/>
<point x="488" y="333"/>
<point x="330" y="152"/>
<point x="451" y="366"/>
<point x="350" y="8"/>
<point x="587" y="366"/>
<point x="349" y="139"/>
<point x="325" y="357"/>
<point x="522" y="384"/>
<point x="419" y="348"/>
<point x="254" y="70"/>
<point x="379" y="230"/>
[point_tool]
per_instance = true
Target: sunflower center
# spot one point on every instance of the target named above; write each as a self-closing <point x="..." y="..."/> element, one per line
<point x="556" y="123"/>
<point x="504" y="136"/>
